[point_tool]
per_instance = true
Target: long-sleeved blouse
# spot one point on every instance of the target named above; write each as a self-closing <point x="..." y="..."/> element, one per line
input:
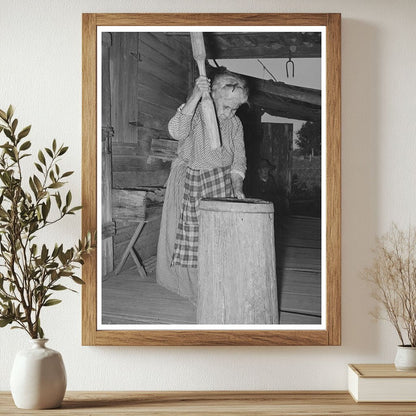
<point x="195" y="149"/>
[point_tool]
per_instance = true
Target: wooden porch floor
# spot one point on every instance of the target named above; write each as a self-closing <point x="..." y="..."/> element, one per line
<point x="299" y="270"/>
<point x="127" y="299"/>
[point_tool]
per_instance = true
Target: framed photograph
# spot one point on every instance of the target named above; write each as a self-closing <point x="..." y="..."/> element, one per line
<point x="211" y="172"/>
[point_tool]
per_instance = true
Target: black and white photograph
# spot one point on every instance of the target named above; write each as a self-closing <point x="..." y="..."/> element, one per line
<point x="212" y="178"/>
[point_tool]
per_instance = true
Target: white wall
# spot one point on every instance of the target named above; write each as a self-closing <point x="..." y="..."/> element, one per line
<point x="40" y="73"/>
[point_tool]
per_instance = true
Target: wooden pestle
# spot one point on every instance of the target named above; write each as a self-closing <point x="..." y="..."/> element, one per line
<point x="209" y="116"/>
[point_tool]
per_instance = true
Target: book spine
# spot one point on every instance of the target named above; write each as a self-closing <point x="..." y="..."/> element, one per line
<point x="353" y="381"/>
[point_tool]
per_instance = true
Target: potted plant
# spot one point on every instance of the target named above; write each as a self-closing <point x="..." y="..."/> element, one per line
<point x="393" y="277"/>
<point x="31" y="273"/>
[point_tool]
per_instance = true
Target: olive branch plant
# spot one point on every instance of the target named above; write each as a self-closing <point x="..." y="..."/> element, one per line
<point x="31" y="274"/>
<point x="393" y="278"/>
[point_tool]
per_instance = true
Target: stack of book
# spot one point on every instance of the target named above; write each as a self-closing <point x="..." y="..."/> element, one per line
<point x="381" y="383"/>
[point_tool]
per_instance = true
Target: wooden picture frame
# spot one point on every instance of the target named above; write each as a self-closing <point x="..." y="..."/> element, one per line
<point x="331" y="332"/>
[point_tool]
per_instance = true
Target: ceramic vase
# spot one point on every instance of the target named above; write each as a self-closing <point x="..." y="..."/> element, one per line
<point x="38" y="377"/>
<point x="405" y="358"/>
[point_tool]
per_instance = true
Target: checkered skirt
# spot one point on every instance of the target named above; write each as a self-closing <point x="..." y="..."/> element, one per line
<point x="199" y="184"/>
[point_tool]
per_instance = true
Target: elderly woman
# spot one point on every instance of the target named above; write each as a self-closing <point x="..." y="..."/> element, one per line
<point x="199" y="172"/>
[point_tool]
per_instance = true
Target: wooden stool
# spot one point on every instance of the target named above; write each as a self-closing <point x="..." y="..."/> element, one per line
<point x="130" y="251"/>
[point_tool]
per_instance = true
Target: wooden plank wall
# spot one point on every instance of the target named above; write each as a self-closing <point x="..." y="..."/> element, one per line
<point x="150" y="79"/>
<point x="153" y="78"/>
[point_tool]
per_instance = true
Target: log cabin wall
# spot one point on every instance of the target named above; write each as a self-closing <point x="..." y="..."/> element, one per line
<point x="150" y="78"/>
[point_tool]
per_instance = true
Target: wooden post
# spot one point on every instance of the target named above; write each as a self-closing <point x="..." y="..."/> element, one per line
<point x="107" y="136"/>
<point x="209" y="116"/>
<point x="236" y="260"/>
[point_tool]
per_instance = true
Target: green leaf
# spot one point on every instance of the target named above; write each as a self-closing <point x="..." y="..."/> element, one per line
<point x="8" y="133"/>
<point x="55" y="251"/>
<point x="39" y="167"/>
<point x="63" y="150"/>
<point x="51" y="302"/>
<point x="3" y="115"/>
<point x="5" y="321"/>
<point x="34" y="249"/>
<point x="37" y="183"/>
<point x="44" y="253"/>
<point x="58" y="199"/>
<point x="14" y="125"/>
<point x="62" y="257"/>
<point x="67" y="174"/>
<point x="45" y="211"/>
<point x="40" y="332"/>
<point x="41" y="157"/>
<point x="68" y="199"/>
<point x="34" y="226"/>
<point x="59" y="287"/>
<point x="32" y="187"/>
<point x="76" y="279"/>
<point x="77" y="208"/>
<point x="42" y="290"/>
<point x="24" y="132"/>
<point x="6" y="145"/>
<point x="25" y="145"/>
<point x="49" y="152"/>
<point x="54" y="145"/>
<point x="56" y="185"/>
<point x="42" y="194"/>
<point x="10" y="112"/>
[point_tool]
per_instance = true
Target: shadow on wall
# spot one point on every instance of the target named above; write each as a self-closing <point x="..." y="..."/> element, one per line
<point x="360" y="179"/>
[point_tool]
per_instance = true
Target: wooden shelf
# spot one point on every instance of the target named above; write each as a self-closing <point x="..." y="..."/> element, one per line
<point x="317" y="403"/>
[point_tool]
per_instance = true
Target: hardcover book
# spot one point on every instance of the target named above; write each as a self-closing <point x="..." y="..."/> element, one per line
<point x="381" y="383"/>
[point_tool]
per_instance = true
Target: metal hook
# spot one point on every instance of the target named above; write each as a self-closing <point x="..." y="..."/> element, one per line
<point x="288" y="64"/>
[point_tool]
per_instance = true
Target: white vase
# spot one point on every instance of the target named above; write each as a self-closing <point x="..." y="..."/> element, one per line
<point x="405" y="358"/>
<point x="38" y="377"/>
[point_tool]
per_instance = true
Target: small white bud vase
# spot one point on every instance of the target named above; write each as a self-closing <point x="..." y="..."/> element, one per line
<point x="405" y="358"/>
<point x="38" y="377"/>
